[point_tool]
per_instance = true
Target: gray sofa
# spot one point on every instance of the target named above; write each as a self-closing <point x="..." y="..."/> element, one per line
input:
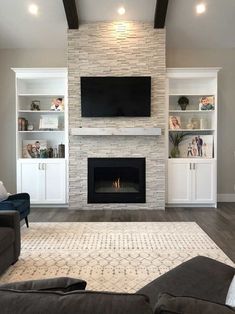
<point x="197" y="286"/>
<point x="9" y="238"/>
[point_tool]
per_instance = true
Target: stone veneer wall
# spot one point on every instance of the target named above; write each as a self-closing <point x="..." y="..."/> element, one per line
<point x="117" y="49"/>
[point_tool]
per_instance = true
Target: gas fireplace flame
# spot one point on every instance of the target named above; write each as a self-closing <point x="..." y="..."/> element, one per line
<point x="117" y="183"/>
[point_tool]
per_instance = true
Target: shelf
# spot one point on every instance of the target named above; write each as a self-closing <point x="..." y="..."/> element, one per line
<point x="41" y="95"/>
<point x="40" y="111"/>
<point x="39" y="131"/>
<point x="191" y="160"/>
<point x="40" y="159"/>
<point x="192" y="111"/>
<point x="195" y="159"/>
<point x="190" y="94"/>
<point x="191" y="130"/>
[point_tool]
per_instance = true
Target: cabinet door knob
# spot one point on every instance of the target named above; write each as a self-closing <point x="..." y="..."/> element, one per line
<point x="190" y="165"/>
<point x="39" y="166"/>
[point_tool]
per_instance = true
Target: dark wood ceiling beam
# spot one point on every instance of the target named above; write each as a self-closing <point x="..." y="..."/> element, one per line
<point x="160" y="13"/>
<point x="71" y="13"/>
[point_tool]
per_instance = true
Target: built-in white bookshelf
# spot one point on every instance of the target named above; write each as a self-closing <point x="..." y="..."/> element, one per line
<point x="192" y="167"/>
<point x="39" y="174"/>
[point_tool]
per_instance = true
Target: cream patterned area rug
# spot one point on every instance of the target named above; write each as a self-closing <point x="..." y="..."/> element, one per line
<point x="112" y="256"/>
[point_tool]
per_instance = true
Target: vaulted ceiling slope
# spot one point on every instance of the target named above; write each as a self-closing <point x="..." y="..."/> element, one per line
<point x="214" y="29"/>
<point x="106" y="10"/>
<point x="19" y="29"/>
<point x="72" y="7"/>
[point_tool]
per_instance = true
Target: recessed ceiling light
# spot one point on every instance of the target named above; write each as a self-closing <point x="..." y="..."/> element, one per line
<point x="201" y="8"/>
<point x="33" y="9"/>
<point x="121" y="11"/>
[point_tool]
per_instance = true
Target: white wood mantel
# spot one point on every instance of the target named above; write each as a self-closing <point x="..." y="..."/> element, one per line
<point x="116" y="131"/>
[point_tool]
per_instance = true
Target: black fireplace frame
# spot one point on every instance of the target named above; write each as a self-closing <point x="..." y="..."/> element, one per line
<point x="121" y="198"/>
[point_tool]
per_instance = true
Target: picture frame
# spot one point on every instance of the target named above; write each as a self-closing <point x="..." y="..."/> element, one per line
<point x="48" y="122"/>
<point x="174" y="122"/>
<point x="197" y="146"/>
<point x="57" y="104"/>
<point x="32" y="148"/>
<point x="207" y="103"/>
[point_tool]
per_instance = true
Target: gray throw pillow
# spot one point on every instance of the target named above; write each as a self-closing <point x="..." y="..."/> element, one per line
<point x="64" y="284"/>
<point x="76" y="302"/>
<point x="168" y="304"/>
<point x="3" y="192"/>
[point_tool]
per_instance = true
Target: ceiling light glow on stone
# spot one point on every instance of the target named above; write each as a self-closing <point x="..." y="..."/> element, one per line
<point x="201" y="8"/>
<point x="33" y="9"/>
<point x="121" y="27"/>
<point x="121" y="11"/>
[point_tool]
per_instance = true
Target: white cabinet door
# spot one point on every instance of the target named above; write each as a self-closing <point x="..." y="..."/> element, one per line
<point x="44" y="180"/>
<point x="191" y="182"/>
<point x="179" y="182"/>
<point x="55" y="182"/>
<point x="204" y="182"/>
<point x="30" y="180"/>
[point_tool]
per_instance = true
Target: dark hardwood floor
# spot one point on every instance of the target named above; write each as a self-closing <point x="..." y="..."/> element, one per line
<point x="218" y="223"/>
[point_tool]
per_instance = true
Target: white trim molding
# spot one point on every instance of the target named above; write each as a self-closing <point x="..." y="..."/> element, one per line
<point x="226" y="198"/>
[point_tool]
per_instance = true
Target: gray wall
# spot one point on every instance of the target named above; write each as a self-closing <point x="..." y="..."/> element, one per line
<point x="175" y="58"/>
<point x="226" y="111"/>
<point x="8" y="59"/>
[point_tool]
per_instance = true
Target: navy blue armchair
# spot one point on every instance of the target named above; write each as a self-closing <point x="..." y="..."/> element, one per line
<point x="19" y="202"/>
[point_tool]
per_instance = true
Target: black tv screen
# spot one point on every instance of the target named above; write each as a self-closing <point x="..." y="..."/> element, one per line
<point x="116" y="96"/>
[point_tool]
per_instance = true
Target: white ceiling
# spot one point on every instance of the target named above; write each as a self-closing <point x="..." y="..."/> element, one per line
<point x="19" y="29"/>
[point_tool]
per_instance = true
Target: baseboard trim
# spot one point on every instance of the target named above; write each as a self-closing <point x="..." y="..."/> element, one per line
<point x="49" y="205"/>
<point x="191" y="205"/>
<point x="226" y="198"/>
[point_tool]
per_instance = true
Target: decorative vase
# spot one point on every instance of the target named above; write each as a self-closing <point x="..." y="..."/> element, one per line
<point x="183" y="102"/>
<point x="175" y="152"/>
<point x="183" y="106"/>
<point x="43" y="153"/>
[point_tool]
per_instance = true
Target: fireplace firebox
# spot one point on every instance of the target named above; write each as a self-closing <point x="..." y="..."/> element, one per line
<point x="116" y="180"/>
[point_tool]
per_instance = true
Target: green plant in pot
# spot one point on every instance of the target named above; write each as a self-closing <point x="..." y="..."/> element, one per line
<point x="176" y="138"/>
<point x="183" y="102"/>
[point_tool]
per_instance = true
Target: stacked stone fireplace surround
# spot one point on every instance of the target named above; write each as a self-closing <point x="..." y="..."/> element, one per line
<point x="117" y="49"/>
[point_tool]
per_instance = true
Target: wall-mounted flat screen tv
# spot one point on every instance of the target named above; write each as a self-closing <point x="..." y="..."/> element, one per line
<point x="116" y="96"/>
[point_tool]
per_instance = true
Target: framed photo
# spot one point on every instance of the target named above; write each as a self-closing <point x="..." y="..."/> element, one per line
<point x="49" y="122"/>
<point x="57" y="104"/>
<point x="174" y="122"/>
<point x="197" y="146"/>
<point x="207" y="103"/>
<point x="31" y="148"/>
